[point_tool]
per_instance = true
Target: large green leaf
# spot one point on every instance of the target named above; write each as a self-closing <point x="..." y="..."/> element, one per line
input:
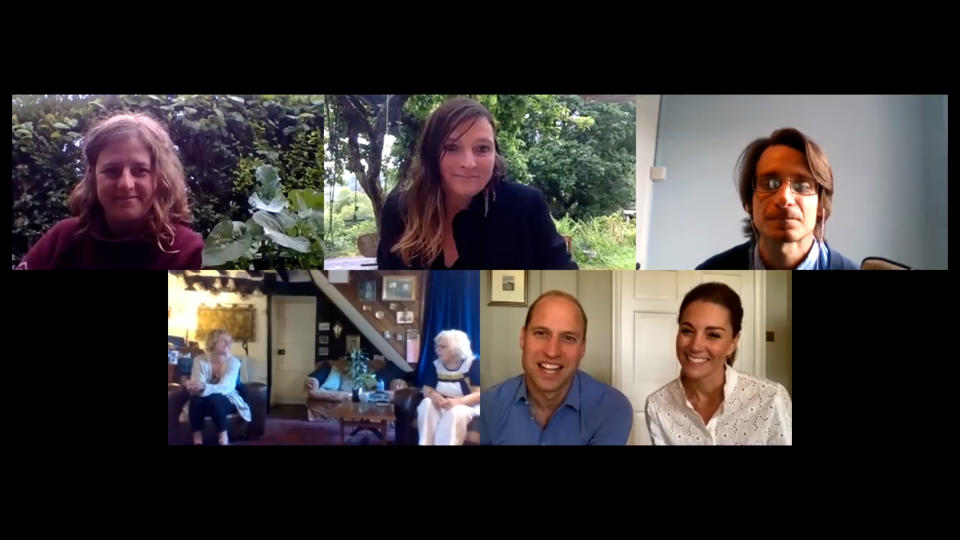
<point x="286" y="219"/>
<point x="268" y="182"/>
<point x="308" y="204"/>
<point x="276" y="205"/>
<point x="220" y="246"/>
<point x="274" y="231"/>
<point x="302" y="199"/>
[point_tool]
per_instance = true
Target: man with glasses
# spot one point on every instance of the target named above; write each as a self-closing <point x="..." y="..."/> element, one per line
<point x="786" y="187"/>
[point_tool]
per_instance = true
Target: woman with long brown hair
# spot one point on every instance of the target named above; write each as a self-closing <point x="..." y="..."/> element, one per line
<point x="460" y="210"/>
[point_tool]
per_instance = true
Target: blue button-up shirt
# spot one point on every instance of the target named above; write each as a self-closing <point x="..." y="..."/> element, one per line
<point x="591" y="413"/>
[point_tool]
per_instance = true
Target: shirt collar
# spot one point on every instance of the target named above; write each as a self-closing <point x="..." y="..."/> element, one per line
<point x="815" y="260"/>
<point x="572" y="399"/>
<point x="729" y="385"/>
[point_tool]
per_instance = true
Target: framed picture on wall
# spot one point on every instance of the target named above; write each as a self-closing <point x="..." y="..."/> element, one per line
<point x="323" y="351"/>
<point x="401" y="288"/>
<point x="323" y="340"/>
<point x="353" y="342"/>
<point x="367" y="290"/>
<point x="508" y="288"/>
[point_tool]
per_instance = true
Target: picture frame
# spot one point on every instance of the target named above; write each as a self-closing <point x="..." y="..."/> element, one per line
<point x="238" y="319"/>
<point x="353" y="342"/>
<point x="323" y="340"/>
<point x="367" y="290"/>
<point x="508" y="288"/>
<point x="323" y="351"/>
<point x="400" y="288"/>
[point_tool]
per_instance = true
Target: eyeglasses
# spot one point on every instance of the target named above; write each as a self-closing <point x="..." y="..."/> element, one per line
<point x="803" y="188"/>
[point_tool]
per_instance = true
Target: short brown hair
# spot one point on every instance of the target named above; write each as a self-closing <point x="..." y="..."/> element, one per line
<point x="816" y="161"/>
<point x="560" y="294"/>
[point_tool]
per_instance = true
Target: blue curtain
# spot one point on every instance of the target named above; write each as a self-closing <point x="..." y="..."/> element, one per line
<point x="452" y="303"/>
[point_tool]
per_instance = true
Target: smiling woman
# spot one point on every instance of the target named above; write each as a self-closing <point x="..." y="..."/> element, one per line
<point x="460" y="211"/>
<point x="130" y="208"/>
<point x="710" y="403"/>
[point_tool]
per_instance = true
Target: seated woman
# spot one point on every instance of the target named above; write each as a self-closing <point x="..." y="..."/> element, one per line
<point x="130" y="208"/>
<point x="710" y="403"/>
<point x="460" y="211"/>
<point x="451" y="391"/>
<point x="213" y="388"/>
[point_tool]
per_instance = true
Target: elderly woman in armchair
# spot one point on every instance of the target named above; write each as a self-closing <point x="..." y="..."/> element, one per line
<point x="451" y="391"/>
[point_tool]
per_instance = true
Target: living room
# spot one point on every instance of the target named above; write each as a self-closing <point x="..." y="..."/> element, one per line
<point x="325" y="358"/>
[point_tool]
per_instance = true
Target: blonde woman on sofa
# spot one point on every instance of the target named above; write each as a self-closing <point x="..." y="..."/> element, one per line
<point x="213" y="388"/>
<point x="451" y="391"/>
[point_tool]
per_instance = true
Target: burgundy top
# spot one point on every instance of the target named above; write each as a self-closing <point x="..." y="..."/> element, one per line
<point x="62" y="248"/>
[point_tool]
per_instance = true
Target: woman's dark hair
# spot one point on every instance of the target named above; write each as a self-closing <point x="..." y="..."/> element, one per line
<point x="721" y="295"/>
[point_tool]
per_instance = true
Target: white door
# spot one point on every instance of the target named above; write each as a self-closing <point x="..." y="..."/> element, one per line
<point x="646" y="306"/>
<point x="293" y="322"/>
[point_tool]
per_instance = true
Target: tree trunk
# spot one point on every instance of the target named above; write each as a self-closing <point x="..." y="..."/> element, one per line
<point x="369" y="120"/>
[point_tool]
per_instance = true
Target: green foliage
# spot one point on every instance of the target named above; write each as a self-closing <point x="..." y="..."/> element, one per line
<point x="221" y="141"/>
<point x="602" y="242"/>
<point x="587" y="170"/>
<point x="282" y="231"/>
<point x="348" y="225"/>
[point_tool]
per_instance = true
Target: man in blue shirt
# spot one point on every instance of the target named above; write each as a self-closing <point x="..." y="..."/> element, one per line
<point x="553" y="402"/>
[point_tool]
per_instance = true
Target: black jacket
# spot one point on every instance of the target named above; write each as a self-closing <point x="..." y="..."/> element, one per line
<point x="738" y="258"/>
<point x="516" y="234"/>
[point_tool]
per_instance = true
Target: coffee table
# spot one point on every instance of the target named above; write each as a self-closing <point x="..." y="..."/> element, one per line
<point x="362" y="416"/>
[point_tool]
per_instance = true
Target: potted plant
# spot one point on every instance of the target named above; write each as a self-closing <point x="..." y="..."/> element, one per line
<point x="360" y="373"/>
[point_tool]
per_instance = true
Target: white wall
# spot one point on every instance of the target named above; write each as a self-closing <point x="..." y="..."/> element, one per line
<point x="184" y="306"/>
<point x="648" y="115"/>
<point x="888" y="155"/>
<point x="500" y="325"/>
